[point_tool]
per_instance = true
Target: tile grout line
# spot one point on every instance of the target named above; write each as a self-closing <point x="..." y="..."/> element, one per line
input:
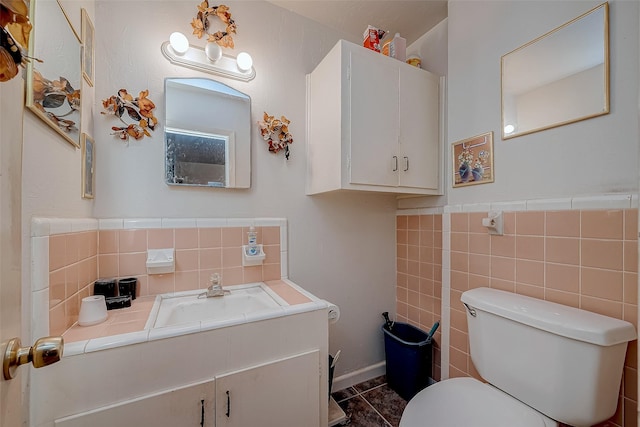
<point x="374" y="408"/>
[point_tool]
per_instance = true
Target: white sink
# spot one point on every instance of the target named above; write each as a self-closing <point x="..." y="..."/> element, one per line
<point x="185" y="307"/>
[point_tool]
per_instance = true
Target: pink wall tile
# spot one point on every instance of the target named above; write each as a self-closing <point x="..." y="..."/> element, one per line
<point x="427" y="222"/>
<point x="252" y="274"/>
<point x="186" y="280"/>
<point x="270" y="236"/>
<point x="132" y="241"/>
<point x="413" y="237"/>
<point x="87" y="244"/>
<point x="480" y="264"/>
<point x="402" y="237"/>
<point x="57" y="252"/>
<point x="563" y="223"/>
<point x="630" y="281"/>
<point x="186" y="238"/>
<point x="460" y="261"/>
<point x="211" y="258"/>
<point x="437" y="222"/>
<point x="212" y="237"/>
<point x="413" y="283"/>
<point x="530" y="247"/>
<point x="601" y="306"/>
<point x="72" y="245"/>
<point x="413" y="222"/>
<point x="413" y="268"/>
<point x="530" y="272"/>
<point x="530" y="290"/>
<point x="232" y="276"/>
<point x="530" y="223"/>
<point x="509" y="219"/>
<point x="562" y="277"/>
<point x="562" y="250"/>
<point x="475" y="222"/>
<point x="401" y="251"/>
<point x="108" y="265"/>
<point x="602" y="224"/>
<point x="479" y="243"/>
<point x="71" y="279"/>
<point x="459" y="280"/>
<point x="413" y="253"/>
<point x="630" y="256"/>
<point x="271" y="272"/>
<point x="108" y="241"/>
<point x="401" y="222"/>
<point x="132" y="264"/>
<point x="504" y="246"/>
<point x="631" y="224"/>
<point x="161" y="283"/>
<point x="160" y="238"/>
<point x="479" y="281"/>
<point x="426" y="270"/>
<point x="187" y="259"/>
<point x="459" y="241"/>
<point x="503" y="285"/>
<point x="232" y="236"/>
<point x="601" y="253"/>
<point x="57" y="287"/>
<point x="427" y="238"/>
<point x="427" y="254"/>
<point x="607" y="284"/>
<point x="231" y="257"/>
<point x="460" y="222"/>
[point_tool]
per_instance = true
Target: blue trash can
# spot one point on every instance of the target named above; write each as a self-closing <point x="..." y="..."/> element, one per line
<point x="408" y="356"/>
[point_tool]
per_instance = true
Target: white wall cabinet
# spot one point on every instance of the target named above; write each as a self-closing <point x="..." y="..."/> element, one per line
<point x="373" y="124"/>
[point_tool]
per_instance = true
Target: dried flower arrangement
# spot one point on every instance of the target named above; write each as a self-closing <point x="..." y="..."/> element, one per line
<point x="14" y="33"/>
<point x="201" y="24"/>
<point x="138" y="109"/>
<point x="276" y="133"/>
<point x="53" y="94"/>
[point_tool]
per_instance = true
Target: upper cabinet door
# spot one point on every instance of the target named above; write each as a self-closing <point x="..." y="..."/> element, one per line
<point x="374" y="91"/>
<point x="419" y="130"/>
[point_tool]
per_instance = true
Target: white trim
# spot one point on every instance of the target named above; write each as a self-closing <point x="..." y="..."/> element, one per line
<point x="356" y="377"/>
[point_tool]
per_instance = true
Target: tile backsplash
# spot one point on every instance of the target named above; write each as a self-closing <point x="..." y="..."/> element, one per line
<point x="69" y="255"/>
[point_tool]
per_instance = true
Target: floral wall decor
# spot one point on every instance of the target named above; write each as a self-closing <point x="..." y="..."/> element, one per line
<point x="14" y="34"/>
<point x="54" y="94"/>
<point x="276" y="133"/>
<point x="201" y="24"/>
<point x="473" y="160"/>
<point x="138" y="109"/>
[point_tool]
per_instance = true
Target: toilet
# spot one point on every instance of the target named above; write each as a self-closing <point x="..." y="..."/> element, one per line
<point x="543" y="363"/>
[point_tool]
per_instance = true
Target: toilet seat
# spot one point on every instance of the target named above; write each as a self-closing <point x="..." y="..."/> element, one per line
<point x="468" y="402"/>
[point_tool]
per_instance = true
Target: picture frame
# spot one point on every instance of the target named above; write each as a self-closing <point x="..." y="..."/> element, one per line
<point x="54" y="80"/>
<point x="88" y="166"/>
<point x="88" y="49"/>
<point x="473" y="160"/>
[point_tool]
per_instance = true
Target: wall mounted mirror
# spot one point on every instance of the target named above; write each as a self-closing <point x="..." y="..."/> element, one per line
<point x="207" y="134"/>
<point x="559" y="78"/>
<point x="54" y="81"/>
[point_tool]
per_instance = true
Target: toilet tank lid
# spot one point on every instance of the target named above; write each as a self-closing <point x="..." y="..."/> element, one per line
<point x="548" y="316"/>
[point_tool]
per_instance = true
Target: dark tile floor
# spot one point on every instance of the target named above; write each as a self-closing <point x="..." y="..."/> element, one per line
<point x="371" y="404"/>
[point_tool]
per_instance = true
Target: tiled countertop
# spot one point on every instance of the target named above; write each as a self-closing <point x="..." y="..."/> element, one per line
<point x="127" y="326"/>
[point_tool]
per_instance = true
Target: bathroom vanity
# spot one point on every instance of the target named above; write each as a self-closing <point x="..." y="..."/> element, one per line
<point x="264" y="367"/>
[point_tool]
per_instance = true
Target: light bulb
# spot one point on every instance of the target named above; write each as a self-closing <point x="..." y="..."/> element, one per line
<point x="179" y="43"/>
<point x="213" y="51"/>
<point x="244" y="61"/>
<point x="508" y="129"/>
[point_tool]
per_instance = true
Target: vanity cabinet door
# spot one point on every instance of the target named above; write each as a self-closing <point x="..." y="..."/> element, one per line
<point x="281" y="393"/>
<point x="187" y="406"/>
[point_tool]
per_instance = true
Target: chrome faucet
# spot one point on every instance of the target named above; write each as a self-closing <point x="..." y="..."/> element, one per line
<point x="215" y="288"/>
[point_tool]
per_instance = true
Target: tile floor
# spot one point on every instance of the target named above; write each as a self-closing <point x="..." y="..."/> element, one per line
<point x="371" y="404"/>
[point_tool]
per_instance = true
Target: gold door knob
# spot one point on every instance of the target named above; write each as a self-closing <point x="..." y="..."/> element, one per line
<point x="45" y="351"/>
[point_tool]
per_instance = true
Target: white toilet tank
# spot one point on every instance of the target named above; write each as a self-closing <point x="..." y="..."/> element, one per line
<point x="564" y="362"/>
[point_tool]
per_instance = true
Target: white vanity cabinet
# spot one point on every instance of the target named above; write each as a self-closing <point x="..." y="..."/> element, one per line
<point x="284" y="392"/>
<point x="373" y="124"/>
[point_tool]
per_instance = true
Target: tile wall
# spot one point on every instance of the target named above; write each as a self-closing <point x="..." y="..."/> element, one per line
<point x="75" y="259"/>
<point x="581" y="258"/>
<point x="419" y="275"/>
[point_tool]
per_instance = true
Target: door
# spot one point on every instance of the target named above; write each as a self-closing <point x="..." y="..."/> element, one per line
<point x="11" y="108"/>
<point x="281" y="393"/>
<point x="374" y="120"/>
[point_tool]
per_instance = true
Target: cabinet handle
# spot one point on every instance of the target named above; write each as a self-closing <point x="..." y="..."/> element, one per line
<point x="202" y="414"/>
<point x="395" y="159"/>
<point x="406" y="160"/>
<point x="228" y="405"/>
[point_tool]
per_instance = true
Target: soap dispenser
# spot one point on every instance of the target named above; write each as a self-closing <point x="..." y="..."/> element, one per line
<point x="252" y="241"/>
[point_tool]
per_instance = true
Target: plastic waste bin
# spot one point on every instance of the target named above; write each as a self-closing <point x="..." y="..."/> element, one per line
<point x="408" y="356"/>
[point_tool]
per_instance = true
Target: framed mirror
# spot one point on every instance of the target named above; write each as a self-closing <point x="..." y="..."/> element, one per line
<point x="207" y="134"/>
<point x="559" y="78"/>
<point x="54" y="78"/>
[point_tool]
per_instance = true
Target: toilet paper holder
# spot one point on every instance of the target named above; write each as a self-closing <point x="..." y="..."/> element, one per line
<point x="494" y="223"/>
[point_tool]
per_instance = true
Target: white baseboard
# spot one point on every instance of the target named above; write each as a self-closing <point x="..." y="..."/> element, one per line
<point x="356" y="377"/>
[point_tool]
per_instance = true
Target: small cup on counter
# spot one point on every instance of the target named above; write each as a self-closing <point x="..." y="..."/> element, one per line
<point x="128" y="287"/>
<point x="93" y="310"/>
<point x="106" y="287"/>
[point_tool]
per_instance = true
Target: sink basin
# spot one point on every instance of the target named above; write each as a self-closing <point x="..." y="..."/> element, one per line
<point x="174" y="309"/>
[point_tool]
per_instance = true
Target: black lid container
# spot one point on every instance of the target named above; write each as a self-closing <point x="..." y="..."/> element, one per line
<point x="128" y="287"/>
<point x="106" y="287"/>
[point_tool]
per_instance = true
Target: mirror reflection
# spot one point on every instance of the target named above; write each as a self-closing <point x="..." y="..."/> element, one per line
<point x="207" y="134"/>
<point x="559" y="78"/>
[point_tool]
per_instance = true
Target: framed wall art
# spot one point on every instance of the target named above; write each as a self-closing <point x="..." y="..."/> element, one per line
<point x="87" y="48"/>
<point x="88" y="165"/>
<point x="473" y="160"/>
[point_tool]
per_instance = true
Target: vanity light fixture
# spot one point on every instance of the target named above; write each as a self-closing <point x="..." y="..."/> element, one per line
<point x="210" y="60"/>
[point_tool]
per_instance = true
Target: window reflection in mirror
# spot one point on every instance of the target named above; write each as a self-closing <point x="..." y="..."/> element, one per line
<point x="207" y="134"/>
<point x="559" y="78"/>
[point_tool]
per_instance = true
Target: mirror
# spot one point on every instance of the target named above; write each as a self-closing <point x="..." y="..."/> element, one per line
<point x="560" y="78"/>
<point x="54" y="81"/>
<point x="207" y="134"/>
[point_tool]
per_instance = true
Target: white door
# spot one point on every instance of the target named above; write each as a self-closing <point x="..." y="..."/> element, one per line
<point x="11" y="108"/>
<point x="283" y="393"/>
<point x="419" y="129"/>
<point x="374" y="120"/>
